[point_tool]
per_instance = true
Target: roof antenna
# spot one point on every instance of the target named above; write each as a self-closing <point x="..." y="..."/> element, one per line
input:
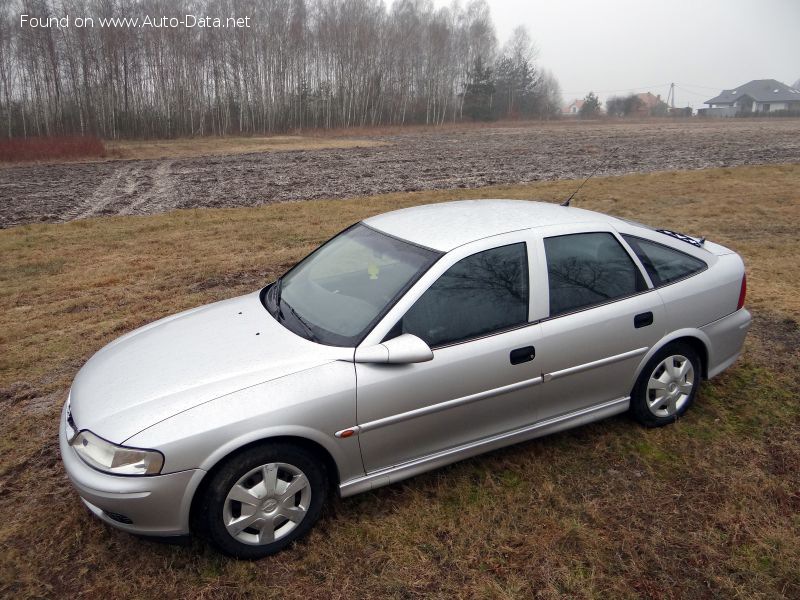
<point x="567" y="201"/>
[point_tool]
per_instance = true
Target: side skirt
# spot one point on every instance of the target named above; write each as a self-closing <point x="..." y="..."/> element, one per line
<point x="414" y="467"/>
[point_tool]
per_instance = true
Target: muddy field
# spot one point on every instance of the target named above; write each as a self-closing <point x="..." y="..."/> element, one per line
<point x="410" y="161"/>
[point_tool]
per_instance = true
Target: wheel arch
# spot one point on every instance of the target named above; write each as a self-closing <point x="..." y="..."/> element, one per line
<point x="331" y="468"/>
<point x="702" y="352"/>
<point x="693" y="337"/>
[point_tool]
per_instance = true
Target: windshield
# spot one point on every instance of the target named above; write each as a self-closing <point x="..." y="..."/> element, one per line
<point x="340" y="291"/>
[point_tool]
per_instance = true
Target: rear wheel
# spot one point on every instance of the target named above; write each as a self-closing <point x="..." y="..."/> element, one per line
<point x="262" y="500"/>
<point x="667" y="386"/>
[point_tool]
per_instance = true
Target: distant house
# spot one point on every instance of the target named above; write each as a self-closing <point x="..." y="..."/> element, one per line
<point x="757" y="96"/>
<point x="573" y="108"/>
<point x="649" y="105"/>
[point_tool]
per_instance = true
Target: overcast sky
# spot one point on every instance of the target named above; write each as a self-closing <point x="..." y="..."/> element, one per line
<point x="611" y="46"/>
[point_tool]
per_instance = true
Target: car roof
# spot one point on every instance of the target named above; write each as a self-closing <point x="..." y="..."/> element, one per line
<point x="447" y="225"/>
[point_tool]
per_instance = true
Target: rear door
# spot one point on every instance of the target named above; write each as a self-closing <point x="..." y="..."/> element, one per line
<point x="600" y="316"/>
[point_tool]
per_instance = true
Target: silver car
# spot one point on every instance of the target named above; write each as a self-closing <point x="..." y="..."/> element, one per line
<point x="409" y="341"/>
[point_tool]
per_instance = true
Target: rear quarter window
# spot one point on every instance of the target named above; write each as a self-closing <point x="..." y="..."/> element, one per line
<point x="663" y="263"/>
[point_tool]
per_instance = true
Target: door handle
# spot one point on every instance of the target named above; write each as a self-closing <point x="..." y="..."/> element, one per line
<point x="643" y="319"/>
<point x="521" y="355"/>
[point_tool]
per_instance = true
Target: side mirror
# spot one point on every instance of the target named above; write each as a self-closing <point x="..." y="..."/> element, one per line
<point x="402" y="350"/>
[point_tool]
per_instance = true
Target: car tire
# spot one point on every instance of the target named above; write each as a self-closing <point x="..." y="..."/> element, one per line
<point x="261" y="500"/>
<point x="667" y="385"/>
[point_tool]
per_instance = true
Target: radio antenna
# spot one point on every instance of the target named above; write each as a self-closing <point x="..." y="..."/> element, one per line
<point x="568" y="200"/>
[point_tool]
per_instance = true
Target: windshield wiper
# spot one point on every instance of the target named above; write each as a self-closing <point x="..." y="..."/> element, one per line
<point x="274" y="296"/>
<point x="311" y="335"/>
<point x="275" y="292"/>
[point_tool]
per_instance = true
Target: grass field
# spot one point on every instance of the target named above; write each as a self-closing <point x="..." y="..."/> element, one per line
<point x="707" y="508"/>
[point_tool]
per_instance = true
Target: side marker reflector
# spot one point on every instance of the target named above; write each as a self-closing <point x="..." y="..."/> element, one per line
<point x="346" y="433"/>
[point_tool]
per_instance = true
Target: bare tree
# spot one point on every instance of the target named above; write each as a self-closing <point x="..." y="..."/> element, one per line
<point x="623" y="106"/>
<point x="301" y="64"/>
<point x="7" y="66"/>
<point x="548" y="99"/>
<point x="516" y="75"/>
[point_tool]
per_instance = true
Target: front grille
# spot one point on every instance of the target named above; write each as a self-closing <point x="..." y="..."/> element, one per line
<point x="118" y="517"/>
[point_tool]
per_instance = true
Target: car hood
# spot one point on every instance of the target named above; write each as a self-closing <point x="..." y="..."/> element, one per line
<point x="184" y="360"/>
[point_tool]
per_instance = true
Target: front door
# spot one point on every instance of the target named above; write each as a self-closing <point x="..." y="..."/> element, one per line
<point x="483" y="377"/>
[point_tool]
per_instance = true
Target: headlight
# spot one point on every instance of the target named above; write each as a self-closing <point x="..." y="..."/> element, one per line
<point x="118" y="460"/>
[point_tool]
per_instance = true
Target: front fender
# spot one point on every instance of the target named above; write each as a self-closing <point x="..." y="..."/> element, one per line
<point x="340" y="450"/>
<point x="312" y="405"/>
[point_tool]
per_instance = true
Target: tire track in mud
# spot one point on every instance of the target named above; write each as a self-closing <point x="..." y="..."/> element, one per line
<point x="105" y="193"/>
<point x="159" y="187"/>
<point x="412" y="161"/>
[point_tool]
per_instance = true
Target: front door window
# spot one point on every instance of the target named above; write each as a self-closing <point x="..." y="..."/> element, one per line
<point x="479" y="295"/>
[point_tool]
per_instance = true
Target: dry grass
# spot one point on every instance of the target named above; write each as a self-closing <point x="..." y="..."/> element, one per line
<point x="707" y="508"/>
<point x="226" y="146"/>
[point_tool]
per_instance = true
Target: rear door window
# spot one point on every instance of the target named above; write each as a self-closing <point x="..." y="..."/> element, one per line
<point x="664" y="264"/>
<point x="585" y="269"/>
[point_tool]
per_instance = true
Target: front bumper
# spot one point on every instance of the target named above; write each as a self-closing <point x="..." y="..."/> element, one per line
<point x="157" y="505"/>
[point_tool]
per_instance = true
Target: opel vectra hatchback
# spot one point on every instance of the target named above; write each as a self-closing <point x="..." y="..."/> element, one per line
<point x="409" y="341"/>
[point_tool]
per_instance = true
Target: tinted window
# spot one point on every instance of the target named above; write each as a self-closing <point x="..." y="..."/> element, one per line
<point x="480" y="294"/>
<point x="588" y="268"/>
<point x="664" y="264"/>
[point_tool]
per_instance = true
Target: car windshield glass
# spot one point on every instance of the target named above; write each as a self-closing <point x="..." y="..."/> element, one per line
<point x="340" y="291"/>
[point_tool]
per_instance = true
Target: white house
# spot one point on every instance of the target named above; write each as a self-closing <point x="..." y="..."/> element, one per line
<point x="572" y="109"/>
<point x="757" y="96"/>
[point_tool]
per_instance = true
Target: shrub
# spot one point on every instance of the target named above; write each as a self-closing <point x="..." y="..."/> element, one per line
<point x="48" y="148"/>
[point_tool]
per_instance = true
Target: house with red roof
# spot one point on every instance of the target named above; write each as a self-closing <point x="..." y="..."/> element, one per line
<point x="573" y="109"/>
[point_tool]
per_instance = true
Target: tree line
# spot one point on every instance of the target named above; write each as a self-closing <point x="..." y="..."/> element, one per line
<point x="301" y="64"/>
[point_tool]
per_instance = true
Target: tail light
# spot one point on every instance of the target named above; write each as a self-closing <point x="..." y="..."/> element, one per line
<point x="742" y="292"/>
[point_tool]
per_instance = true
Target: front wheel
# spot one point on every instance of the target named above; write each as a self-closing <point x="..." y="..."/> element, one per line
<point x="667" y="386"/>
<point x="260" y="501"/>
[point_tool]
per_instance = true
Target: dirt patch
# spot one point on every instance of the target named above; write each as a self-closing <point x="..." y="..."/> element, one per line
<point x="211" y="146"/>
<point x="411" y="161"/>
